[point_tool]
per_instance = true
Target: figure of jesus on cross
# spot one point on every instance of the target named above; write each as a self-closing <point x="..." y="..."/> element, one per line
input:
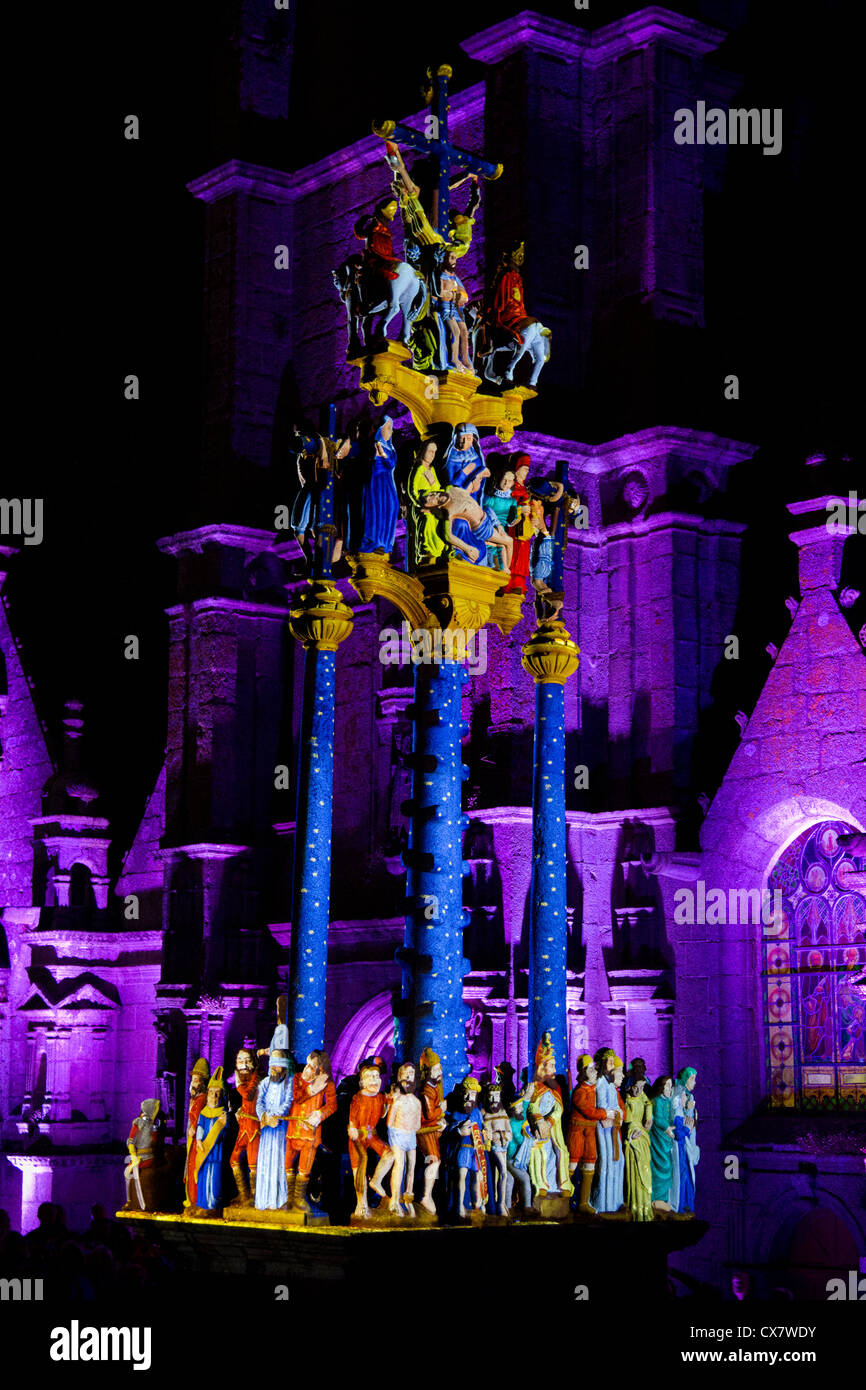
<point x="433" y="143"/>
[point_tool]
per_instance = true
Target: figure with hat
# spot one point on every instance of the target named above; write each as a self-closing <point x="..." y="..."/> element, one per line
<point x="548" y="1161"/>
<point x="273" y="1104"/>
<point x="433" y="1122"/>
<point x="314" y="1099"/>
<point x="403" y="1119"/>
<point x="197" y="1099"/>
<point x="144" y="1146"/>
<point x="608" y="1181"/>
<point x="209" y="1136"/>
<point x="467" y="1126"/>
<point x="366" y="1110"/>
<point x="585" y="1116"/>
<point x="506" y="321"/>
<point x="246" y="1146"/>
<point x="636" y="1136"/>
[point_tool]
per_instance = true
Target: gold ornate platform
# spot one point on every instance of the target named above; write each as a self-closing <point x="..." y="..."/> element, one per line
<point x="439" y="397"/>
<point x="450" y="595"/>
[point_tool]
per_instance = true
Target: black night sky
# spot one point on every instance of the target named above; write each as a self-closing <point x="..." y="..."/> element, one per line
<point x="105" y="273"/>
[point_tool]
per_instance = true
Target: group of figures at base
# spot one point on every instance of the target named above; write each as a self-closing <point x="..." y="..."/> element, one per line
<point x="445" y="325"/>
<point x="621" y="1151"/>
<point x="459" y="505"/>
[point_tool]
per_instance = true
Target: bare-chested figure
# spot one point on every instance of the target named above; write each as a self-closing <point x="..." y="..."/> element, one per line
<point x="403" y="1118"/>
<point x="470" y="526"/>
<point x="497" y="1135"/>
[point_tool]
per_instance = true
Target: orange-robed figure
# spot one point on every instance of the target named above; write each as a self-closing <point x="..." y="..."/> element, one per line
<point x="313" y="1100"/>
<point x="585" y="1116"/>
<point x="365" y="1112"/>
<point x="249" y="1126"/>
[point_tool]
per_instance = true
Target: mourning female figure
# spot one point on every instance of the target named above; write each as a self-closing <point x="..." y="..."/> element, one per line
<point x="381" y="503"/>
<point x="429" y="544"/>
<point x="686" y="1150"/>
<point x="662" y="1143"/>
<point x="501" y="502"/>
<point x="636" y="1136"/>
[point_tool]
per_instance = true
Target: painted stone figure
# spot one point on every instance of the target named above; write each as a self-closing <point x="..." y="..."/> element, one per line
<point x="448" y="306"/>
<point x="428" y="543"/>
<point x="318" y="509"/>
<point x="403" y="1121"/>
<point x="511" y="332"/>
<point x="366" y="1110"/>
<point x="197" y="1098"/>
<point x="637" y="1127"/>
<point x="548" y="1161"/>
<point x="469" y="526"/>
<point x="467" y="1139"/>
<point x="686" y="1147"/>
<point x="517" y="1155"/>
<point x="209" y="1137"/>
<point x="585" y="1116"/>
<point x="432" y="1122"/>
<point x="608" y="1183"/>
<point x="521" y="529"/>
<point x="464" y="461"/>
<point x="246" y="1147"/>
<point x="500" y="501"/>
<point x="551" y="507"/>
<point x="662" y="1143"/>
<point x="381" y="503"/>
<point x="145" y="1147"/>
<point x="273" y="1104"/>
<point x="496" y="1135"/>
<point x="314" y="1099"/>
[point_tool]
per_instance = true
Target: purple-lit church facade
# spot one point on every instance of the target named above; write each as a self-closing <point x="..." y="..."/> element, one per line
<point x="184" y="953"/>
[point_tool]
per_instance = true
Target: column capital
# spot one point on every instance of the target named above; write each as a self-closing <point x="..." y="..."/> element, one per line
<point x="321" y="620"/>
<point x="550" y="656"/>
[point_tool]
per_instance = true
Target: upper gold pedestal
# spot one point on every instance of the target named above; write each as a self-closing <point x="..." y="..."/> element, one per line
<point x="449" y="595"/>
<point x="439" y="397"/>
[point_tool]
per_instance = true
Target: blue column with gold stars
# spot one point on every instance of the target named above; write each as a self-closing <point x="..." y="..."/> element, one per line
<point x="321" y="621"/>
<point x="432" y="1013"/>
<point x="550" y="656"/>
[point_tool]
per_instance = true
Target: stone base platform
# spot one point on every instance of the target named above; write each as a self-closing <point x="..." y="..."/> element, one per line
<point x="282" y="1220"/>
<point x="487" y="1260"/>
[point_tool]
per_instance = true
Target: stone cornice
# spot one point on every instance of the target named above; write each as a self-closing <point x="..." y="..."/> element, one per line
<point x="355" y="158"/>
<point x="654" y="24"/>
<point x="222" y="604"/>
<point x="239" y="177"/>
<point x="222" y="533"/>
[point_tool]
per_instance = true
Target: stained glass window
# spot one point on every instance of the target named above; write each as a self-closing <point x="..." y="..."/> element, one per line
<point x="814" y="964"/>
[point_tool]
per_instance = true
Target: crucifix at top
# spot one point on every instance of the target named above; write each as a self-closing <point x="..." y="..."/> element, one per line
<point x="433" y="142"/>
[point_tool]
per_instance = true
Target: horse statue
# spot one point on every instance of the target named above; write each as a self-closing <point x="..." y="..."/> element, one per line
<point x="406" y="295"/>
<point x="536" y="342"/>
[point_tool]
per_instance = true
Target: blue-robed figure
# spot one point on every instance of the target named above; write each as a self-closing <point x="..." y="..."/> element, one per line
<point x="609" y="1178"/>
<point x="464" y="462"/>
<point x="381" y="503"/>
<point x="273" y="1103"/>
<point x="209" y="1136"/>
<point x="321" y="506"/>
<point x="685" y="1149"/>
